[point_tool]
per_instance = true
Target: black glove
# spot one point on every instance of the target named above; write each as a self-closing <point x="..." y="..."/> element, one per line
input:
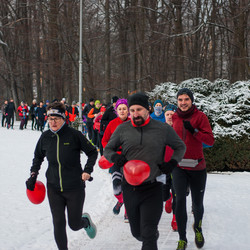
<point x="30" y="183"/>
<point x="188" y="126"/>
<point x="167" y="167"/>
<point x="119" y="160"/>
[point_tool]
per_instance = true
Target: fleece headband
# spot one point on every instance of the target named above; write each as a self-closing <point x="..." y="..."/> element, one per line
<point x="56" y="112"/>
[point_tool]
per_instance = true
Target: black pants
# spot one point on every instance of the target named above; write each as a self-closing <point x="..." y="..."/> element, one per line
<point x="90" y="130"/>
<point x="144" y="206"/>
<point x="100" y="143"/>
<point x="33" y="124"/>
<point x="40" y="124"/>
<point x="95" y="137"/>
<point x="73" y="201"/>
<point x="4" y="118"/>
<point x="197" y="181"/>
<point x="10" y="120"/>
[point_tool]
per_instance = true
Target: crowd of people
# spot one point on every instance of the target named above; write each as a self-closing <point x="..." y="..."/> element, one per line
<point x="36" y="114"/>
<point x="168" y="137"/>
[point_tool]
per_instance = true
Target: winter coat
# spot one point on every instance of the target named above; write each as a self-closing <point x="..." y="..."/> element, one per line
<point x="10" y="109"/>
<point x="72" y="113"/>
<point x="41" y="113"/>
<point x="22" y="111"/>
<point x="33" y="108"/>
<point x="97" y="122"/>
<point x="146" y="143"/>
<point x="63" y="152"/>
<point x="160" y="118"/>
<point x="193" y="143"/>
<point x="93" y="112"/>
<point x="107" y="117"/>
<point x="110" y="130"/>
<point x="86" y="111"/>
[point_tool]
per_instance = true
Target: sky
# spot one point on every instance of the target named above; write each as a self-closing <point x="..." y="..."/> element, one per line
<point x="24" y="226"/>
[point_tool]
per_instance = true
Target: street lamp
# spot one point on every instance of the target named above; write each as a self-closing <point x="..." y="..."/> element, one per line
<point x="80" y="69"/>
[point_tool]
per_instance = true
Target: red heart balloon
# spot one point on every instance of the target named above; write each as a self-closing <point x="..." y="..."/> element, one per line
<point x="136" y="172"/>
<point x="104" y="163"/>
<point x="37" y="196"/>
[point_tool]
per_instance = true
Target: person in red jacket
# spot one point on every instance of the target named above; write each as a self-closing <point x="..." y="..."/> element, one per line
<point x="22" y="112"/>
<point x="72" y="112"/>
<point x="170" y="203"/>
<point x="194" y="129"/>
<point x="97" y="127"/>
<point x="123" y="113"/>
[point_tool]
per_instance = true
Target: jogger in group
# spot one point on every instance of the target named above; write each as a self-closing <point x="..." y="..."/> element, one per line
<point x="62" y="146"/>
<point x="194" y="129"/>
<point x="144" y="139"/>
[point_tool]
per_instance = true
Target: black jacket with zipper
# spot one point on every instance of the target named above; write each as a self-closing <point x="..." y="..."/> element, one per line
<point x="62" y="150"/>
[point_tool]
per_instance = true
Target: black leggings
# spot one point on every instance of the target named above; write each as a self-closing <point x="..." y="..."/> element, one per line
<point x="58" y="201"/>
<point x="197" y="181"/>
<point x="144" y="206"/>
<point x="90" y="130"/>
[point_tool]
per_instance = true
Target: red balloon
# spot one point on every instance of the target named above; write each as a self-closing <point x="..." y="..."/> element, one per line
<point x="136" y="172"/>
<point x="104" y="163"/>
<point x="37" y="196"/>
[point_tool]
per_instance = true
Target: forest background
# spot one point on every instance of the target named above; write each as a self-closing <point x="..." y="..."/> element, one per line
<point x="128" y="46"/>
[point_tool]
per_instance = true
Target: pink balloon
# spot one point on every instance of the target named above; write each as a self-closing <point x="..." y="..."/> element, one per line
<point x="37" y="196"/>
<point x="104" y="163"/>
<point x="136" y="172"/>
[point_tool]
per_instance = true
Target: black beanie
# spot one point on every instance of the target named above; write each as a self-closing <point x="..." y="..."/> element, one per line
<point x="138" y="99"/>
<point x="187" y="92"/>
<point x="114" y="99"/>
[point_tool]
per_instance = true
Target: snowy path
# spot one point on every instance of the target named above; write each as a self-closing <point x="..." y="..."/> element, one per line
<point x="26" y="226"/>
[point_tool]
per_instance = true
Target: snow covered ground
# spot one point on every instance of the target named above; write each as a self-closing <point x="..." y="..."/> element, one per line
<point x="25" y="226"/>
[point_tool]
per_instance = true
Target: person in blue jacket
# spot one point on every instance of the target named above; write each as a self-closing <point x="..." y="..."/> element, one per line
<point x="158" y="113"/>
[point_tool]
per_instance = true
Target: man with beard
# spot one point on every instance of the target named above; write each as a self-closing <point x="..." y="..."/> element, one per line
<point x="144" y="139"/>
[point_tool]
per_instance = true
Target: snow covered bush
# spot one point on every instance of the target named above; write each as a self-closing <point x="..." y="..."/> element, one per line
<point x="227" y="107"/>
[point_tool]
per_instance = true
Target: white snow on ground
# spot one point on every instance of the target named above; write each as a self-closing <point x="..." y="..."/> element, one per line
<point x="226" y="223"/>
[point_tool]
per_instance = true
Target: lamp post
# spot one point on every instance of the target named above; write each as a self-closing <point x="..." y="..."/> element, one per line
<point x="80" y="69"/>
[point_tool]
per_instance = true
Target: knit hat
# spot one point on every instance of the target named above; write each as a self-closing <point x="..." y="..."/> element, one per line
<point x="114" y="99"/>
<point x="138" y="99"/>
<point x="73" y="103"/>
<point x="91" y="99"/>
<point x="187" y="92"/>
<point x="97" y="102"/>
<point x="171" y="107"/>
<point x="121" y="101"/>
<point x="158" y="101"/>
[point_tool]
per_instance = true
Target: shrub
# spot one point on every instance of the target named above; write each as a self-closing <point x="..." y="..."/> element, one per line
<point x="228" y="154"/>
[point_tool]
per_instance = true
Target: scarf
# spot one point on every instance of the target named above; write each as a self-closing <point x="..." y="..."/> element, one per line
<point x="186" y="114"/>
